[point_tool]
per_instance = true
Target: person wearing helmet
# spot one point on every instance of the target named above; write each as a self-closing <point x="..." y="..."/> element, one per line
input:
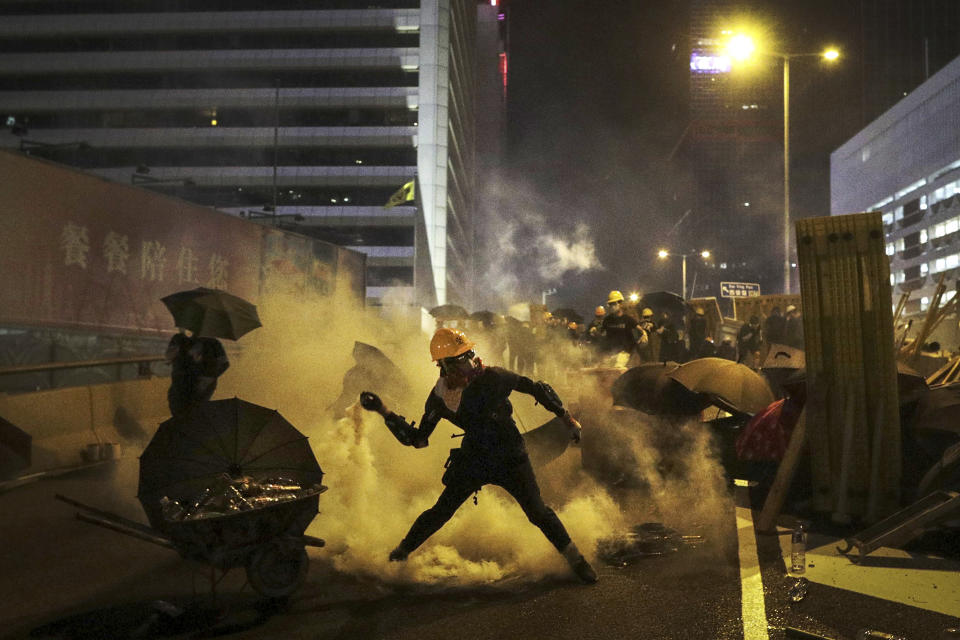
<point x="622" y="334"/>
<point x="593" y="335"/>
<point x="749" y="341"/>
<point x="475" y="398"/>
<point x="647" y="350"/>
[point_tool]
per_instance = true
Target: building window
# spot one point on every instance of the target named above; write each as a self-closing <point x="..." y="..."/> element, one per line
<point x="924" y="269"/>
<point x="923" y="202"/>
<point x="924" y="303"/>
<point x="890" y="249"/>
<point x="901" y="276"/>
<point x="923" y="236"/>
<point x="939" y="265"/>
<point x="898" y="213"/>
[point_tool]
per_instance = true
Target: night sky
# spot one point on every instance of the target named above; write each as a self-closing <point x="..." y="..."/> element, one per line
<point x="598" y="100"/>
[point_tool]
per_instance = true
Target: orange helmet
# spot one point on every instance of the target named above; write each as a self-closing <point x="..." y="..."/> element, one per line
<point x="449" y="343"/>
<point x="600" y="311"/>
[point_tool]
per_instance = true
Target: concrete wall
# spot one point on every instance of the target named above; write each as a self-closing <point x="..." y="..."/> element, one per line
<point x="63" y="422"/>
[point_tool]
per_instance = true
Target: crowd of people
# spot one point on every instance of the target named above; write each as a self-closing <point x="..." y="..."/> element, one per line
<point x="621" y="334"/>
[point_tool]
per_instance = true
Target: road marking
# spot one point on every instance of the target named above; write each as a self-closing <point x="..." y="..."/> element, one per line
<point x="753" y="609"/>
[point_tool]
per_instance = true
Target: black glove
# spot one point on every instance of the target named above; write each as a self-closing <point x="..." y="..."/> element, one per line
<point x="371" y="401"/>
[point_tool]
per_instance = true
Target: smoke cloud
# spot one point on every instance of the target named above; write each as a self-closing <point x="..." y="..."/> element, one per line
<point x="295" y="364"/>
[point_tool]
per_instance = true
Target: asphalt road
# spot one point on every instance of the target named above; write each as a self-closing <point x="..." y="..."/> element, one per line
<point x="62" y="578"/>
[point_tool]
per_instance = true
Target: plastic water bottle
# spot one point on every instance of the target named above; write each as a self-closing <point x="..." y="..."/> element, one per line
<point x="798" y="550"/>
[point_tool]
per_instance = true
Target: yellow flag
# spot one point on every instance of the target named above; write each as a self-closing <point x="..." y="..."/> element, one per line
<point x="403" y="194"/>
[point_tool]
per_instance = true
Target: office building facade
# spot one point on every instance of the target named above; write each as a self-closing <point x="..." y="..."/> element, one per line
<point x="906" y="164"/>
<point x="303" y="115"/>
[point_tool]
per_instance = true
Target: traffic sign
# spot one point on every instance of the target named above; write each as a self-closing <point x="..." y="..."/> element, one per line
<point x="739" y="289"/>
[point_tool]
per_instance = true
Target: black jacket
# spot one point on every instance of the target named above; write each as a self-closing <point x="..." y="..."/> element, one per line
<point x="486" y="415"/>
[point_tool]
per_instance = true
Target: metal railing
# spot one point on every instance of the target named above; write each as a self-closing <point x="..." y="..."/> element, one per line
<point x="143" y="363"/>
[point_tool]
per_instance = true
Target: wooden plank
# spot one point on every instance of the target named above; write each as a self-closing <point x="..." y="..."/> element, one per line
<point x="767" y="522"/>
<point x="845" y="287"/>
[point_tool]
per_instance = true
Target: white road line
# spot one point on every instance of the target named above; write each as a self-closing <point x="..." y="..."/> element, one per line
<point x="753" y="609"/>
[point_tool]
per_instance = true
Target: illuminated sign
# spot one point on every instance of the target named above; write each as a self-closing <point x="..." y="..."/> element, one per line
<point x="703" y="63"/>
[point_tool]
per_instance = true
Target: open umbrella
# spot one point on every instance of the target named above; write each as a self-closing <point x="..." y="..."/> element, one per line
<point x="547" y="442"/>
<point x="570" y="315"/>
<point x="782" y="356"/>
<point x="486" y="318"/>
<point x="449" y="312"/>
<point x="648" y="388"/>
<point x="191" y="452"/>
<point x="660" y="301"/>
<point x="212" y="313"/>
<point x="14" y="449"/>
<point x="733" y="386"/>
<point x="373" y="371"/>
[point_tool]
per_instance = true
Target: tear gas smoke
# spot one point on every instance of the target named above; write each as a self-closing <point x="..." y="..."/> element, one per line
<point x="295" y="364"/>
<point x="525" y="244"/>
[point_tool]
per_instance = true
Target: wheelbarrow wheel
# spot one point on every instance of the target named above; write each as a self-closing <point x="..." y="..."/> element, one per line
<point x="277" y="568"/>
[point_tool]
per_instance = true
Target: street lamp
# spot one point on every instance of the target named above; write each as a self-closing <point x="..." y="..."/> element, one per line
<point x="741" y="47"/>
<point x="663" y="254"/>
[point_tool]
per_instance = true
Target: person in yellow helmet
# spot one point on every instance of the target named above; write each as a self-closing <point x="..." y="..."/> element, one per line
<point x="622" y="335"/>
<point x="648" y="325"/>
<point x="475" y="398"/>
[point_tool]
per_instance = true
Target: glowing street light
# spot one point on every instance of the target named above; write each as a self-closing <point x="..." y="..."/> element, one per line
<point x="634" y="297"/>
<point x="737" y="46"/>
<point x="664" y="254"/>
<point x="741" y="47"/>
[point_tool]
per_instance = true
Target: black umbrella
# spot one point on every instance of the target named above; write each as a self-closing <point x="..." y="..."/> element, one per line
<point x="449" y="312"/>
<point x="191" y="452"/>
<point x="660" y="301"/>
<point x="486" y="318"/>
<point x="212" y="313"/>
<point x="568" y="314"/>
<point x="649" y="388"/>
<point x="15" y="445"/>
<point x="373" y="371"/>
<point x="548" y="441"/>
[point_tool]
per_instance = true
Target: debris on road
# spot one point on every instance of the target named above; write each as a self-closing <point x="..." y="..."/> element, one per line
<point x="643" y="541"/>
<point x="799" y="590"/>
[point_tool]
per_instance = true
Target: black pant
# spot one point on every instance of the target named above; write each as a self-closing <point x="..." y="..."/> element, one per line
<point x="519" y="482"/>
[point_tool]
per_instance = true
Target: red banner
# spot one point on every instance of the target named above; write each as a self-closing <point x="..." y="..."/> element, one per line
<point x="82" y="252"/>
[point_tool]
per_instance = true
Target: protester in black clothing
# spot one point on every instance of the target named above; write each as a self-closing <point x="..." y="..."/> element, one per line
<point x="698" y="333"/>
<point x="774" y="327"/>
<point x="670" y="345"/>
<point x="621" y="333"/>
<point x="196" y="364"/>
<point x="476" y="399"/>
<point x="749" y="340"/>
<point x="793" y="328"/>
<point x="649" y="328"/>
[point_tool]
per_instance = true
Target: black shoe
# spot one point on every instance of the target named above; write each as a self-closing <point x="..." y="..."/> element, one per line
<point x="584" y="571"/>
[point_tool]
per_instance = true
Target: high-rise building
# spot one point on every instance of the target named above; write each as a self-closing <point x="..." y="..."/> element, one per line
<point x="905" y="42"/>
<point x="303" y="114"/>
<point x="733" y="149"/>
<point x="906" y="164"/>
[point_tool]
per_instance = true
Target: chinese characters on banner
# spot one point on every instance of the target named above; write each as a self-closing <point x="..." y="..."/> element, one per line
<point x="79" y="251"/>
